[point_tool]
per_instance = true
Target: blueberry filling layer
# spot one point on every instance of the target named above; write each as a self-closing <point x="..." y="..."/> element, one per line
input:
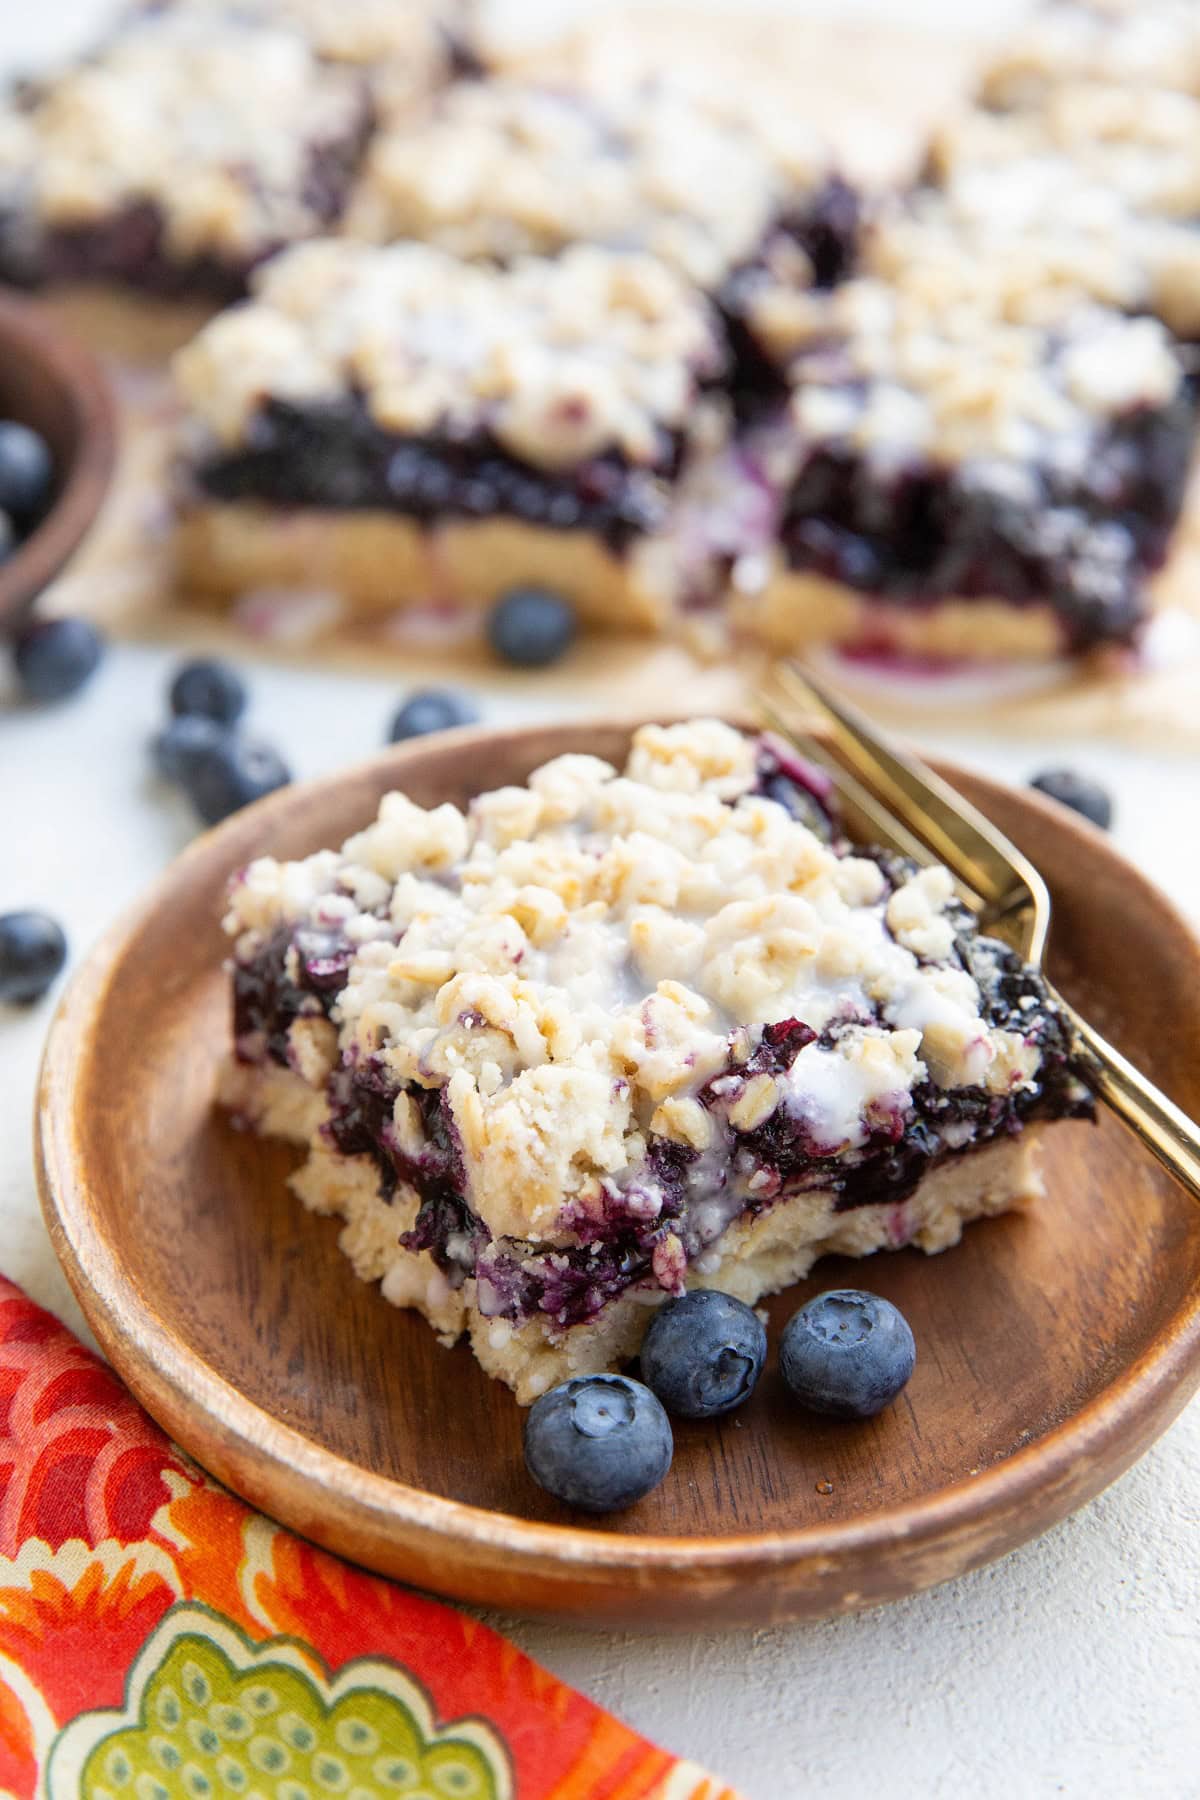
<point x="130" y="245"/>
<point x="337" y="456"/>
<point x="827" y="228"/>
<point x="1080" y="542"/>
<point x="295" y="975"/>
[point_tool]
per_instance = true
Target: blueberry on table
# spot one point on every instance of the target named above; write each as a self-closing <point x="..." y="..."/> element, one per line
<point x="599" y="1442"/>
<point x="1079" y="792"/>
<point x="531" y="627"/>
<point x="208" y="689"/>
<point x="26" y="470"/>
<point x="55" y="657"/>
<point x="429" y="710"/>
<point x="703" y="1354"/>
<point x="33" y="950"/>
<point x="178" y="747"/>
<point x="231" y="773"/>
<point x="847" y="1353"/>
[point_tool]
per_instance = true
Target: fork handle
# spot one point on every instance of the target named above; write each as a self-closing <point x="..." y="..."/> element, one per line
<point x="1157" y="1121"/>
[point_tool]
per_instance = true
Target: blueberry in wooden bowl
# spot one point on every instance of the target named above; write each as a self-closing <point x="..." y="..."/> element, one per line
<point x="58" y="442"/>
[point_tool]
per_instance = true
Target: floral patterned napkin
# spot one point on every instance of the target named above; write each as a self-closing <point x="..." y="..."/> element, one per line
<point x="161" y="1641"/>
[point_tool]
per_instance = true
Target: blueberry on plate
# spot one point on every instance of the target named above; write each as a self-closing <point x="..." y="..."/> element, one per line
<point x="703" y="1354"/>
<point x="26" y="470"/>
<point x="531" y="627"/>
<point x="847" y="1353"/>
<point x="1079" y="792"/>
<point x="55" y="657"/>
<point x="231" y="773"/>
<point x="429" y="710"/>
<point x="33" y="950"/>
<point x="599" y="1442"/>
<point x="180" y="746"/>
<point x="208" y="689"/>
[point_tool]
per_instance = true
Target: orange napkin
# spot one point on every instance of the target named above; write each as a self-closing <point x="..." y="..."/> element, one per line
<point x="161" y="1641"/>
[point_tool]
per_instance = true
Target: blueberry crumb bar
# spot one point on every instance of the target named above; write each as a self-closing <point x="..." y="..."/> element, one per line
<point x="114" y="171"/>
<point x="404" y="428"/>
<point x="611" y="1034"/>
<point x="966" y="471"/>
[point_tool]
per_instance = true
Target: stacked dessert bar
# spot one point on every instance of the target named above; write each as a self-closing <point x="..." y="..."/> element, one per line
<point x="957" y="420"/>
<point x="394" y="422"/>
<point x="200" y="136"/>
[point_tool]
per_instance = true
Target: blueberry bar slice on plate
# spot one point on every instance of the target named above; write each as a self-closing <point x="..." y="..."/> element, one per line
<point x="959" y="477"/>
<point x="614" y="1033"/>
<point x="405" y="428"/>
<point x="113" y="172"/>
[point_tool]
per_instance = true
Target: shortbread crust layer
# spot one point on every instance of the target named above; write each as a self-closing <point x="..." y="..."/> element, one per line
<point x="377" y="562"/>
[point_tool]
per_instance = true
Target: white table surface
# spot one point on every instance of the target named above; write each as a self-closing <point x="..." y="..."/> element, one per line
<point x="1072" y="1667"/>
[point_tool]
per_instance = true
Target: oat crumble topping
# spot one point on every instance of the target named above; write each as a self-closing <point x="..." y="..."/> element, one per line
<point x="504" y="168"/>
<point x="1122" y="41"/>
<point x="1141" y="143"/>
<point x="556" y="360"/>
<point x="1032" y="239"/>
<point x="365" y="33"/>
<point x="921" y="367"/>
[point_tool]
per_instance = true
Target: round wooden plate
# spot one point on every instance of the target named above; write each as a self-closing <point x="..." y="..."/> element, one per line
<point x="1052" y="1349"/>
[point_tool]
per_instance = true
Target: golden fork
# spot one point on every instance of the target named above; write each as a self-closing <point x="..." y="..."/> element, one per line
<point x="895" y="800"/>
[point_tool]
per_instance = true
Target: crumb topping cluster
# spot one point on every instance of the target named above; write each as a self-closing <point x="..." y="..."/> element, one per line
<point x="215" y="124"/>
<point x="557" y="361"/>
<point x="1140" y="143"/>
<point x="587" y="969"/>
<point x="922" y="368"/>
<point x="366" y="33"/>
<point x="1127" y="42"/>
<point x="1031" y="240"/>
<point x="505" y="168"/>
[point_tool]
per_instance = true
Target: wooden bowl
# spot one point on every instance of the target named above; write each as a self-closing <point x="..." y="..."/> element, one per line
<point x="1052" y="1348"/>
<point x="49" y="382"/>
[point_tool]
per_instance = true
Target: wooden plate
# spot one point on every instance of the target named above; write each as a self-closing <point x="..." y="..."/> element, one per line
<point x="50" y="382"/>
<point x="1052" y="1349"/>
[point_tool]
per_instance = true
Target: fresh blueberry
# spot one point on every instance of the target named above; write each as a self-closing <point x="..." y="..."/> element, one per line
<point x="26" y="470"/>
<point x="531" y="627"/>
<point x="208" y="689"/>
<point x="32" y="952"/>
<point x="847" y="1353"/>
<point x="703" y="1354"/>
<point x="1079" y="792"/>
<point x="599" y="1442"/>
<point x="429" y="710"/>
<point x="230" y="774"/>
<point x="181" y="745"/>
<point x="55" y="657"/>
